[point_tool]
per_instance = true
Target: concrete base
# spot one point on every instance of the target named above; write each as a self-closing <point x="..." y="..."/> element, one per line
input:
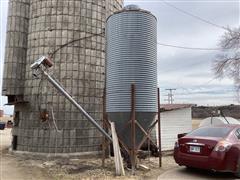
<point x="51" y="155"/>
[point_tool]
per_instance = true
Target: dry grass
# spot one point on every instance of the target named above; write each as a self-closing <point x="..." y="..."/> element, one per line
<point x="195" y="123"/>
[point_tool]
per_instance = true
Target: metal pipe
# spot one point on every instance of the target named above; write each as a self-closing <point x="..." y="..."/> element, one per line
<point x="105" y="142"/>
<point x="221" y="113"/>
<point x="159" y="131"/>
<point x="145" y="137"/>
<point x="59" y="87"/>
<point x="133" y="128"/>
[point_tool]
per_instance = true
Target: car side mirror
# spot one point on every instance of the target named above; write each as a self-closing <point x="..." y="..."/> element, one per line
<point x="181" y="135"/>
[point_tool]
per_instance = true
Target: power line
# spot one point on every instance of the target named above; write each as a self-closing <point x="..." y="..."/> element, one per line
<point x="199" y="18"/>
<point x="200" y="85"/>
<point x="206" y="91"/>
<point x="161" y="70"/>
<point x="194" y="16"/>
<point x="190" y="48"/>
<point x="170" y="95"/>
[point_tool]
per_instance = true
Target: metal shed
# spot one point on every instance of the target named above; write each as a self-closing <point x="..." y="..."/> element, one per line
<point x="175" y="119"/>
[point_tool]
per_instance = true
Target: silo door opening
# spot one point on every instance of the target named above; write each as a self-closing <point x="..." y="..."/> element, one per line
<point x="16" y="119"/>
<point x="14" y="143"/>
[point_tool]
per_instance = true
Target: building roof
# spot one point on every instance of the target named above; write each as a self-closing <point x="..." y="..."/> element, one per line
<point x="170" y="107"/>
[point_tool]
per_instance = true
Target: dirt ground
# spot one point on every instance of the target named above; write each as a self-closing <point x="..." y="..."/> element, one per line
<point x="5" y="118"/>
<point x="25" y="167"/>
<point x="196" y="122"/>
<point x="92" y="169"/>
<point x="13" y="167"/>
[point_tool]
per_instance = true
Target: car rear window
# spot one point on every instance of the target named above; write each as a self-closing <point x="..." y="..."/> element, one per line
<point x="211" y="132"/>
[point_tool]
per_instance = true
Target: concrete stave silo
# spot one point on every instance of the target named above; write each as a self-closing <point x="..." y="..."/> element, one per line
<point x="79" y="66"/>
<point x="16" y="49"/>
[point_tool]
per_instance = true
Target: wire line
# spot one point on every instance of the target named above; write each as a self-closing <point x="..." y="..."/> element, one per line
<point x="190" y="48"/>
<point x="73" y="41"/>
<point x="194" y="16"/>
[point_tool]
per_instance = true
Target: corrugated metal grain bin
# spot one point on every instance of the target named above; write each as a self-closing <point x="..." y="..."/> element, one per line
<point x="131" y="58"/>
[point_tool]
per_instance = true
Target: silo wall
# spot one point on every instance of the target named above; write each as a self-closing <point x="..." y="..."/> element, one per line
<point x="16" y="48"/>
<point x="79" y="67"/>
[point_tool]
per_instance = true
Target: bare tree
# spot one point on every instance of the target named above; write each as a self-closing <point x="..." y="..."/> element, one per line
<point x="227" y="63"/>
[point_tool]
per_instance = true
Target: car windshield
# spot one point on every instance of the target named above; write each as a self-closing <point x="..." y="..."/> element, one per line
<point x="211" y="132"/>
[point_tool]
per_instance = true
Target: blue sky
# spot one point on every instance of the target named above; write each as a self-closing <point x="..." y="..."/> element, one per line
<point x="189" y="71"/>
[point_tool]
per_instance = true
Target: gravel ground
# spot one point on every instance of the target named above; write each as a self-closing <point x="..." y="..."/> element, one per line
<point x="90" y="168"/>
<point x="24" y="167"/>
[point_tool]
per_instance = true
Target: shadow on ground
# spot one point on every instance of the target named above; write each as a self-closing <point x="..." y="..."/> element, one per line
<point x="207" y="174"/>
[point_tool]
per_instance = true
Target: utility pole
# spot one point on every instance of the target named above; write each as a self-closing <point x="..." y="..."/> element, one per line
<point x="170" y="95"/>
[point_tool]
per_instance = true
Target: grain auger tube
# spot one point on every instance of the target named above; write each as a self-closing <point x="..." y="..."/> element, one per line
<point x="44" y="63"/>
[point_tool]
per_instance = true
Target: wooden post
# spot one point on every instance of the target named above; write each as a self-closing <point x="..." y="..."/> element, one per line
<point x="104" y="140"/>
<point x="133" y="129"/>
<point x="159" y="131"/>
<point x="117" y="153"/>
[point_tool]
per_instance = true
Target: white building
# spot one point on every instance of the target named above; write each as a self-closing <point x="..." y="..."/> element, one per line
<point x="175" y="119"/>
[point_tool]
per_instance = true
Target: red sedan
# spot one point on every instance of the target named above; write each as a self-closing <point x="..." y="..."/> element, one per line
<point x="215" y="148"/>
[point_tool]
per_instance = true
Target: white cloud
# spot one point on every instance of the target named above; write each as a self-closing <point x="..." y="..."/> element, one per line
<point x="190" y="70"/>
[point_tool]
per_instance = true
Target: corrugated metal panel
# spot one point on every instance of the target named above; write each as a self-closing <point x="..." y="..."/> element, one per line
<point x="131" y="58"/>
